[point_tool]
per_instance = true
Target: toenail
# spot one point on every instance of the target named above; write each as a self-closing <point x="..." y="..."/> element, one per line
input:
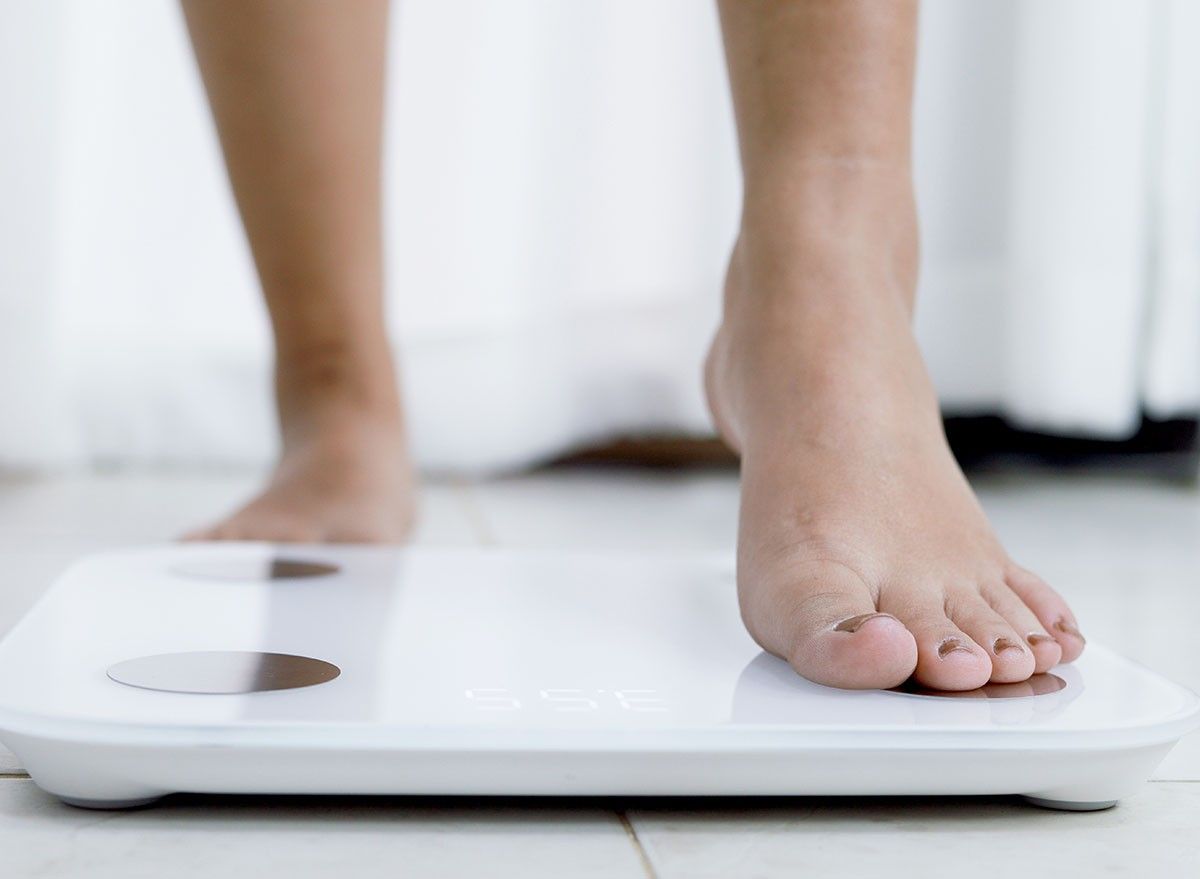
<point x="853" y="624"/>
<point x="1006" y="644"/>
<point x="950" y="645"/>
<point x="1063" y="626"/>
<point x="1036" y="638"/>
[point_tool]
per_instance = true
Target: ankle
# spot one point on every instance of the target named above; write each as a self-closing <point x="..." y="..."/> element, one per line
<point x="833" y="225"/>
<point x="333" y="387"/>
<point x="859" y="193"/>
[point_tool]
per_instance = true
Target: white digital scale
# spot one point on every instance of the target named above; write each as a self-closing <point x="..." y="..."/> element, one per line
<point x="251" y="668"/>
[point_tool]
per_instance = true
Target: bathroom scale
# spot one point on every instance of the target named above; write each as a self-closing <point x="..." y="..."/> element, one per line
<point x="259" y="669"/>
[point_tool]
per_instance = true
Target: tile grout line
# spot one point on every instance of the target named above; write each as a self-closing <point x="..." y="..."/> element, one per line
<point x="475" y="516"/>
<point x="643" y="855"/>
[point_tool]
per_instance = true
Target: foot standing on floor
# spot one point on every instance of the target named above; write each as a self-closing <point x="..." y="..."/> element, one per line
<point x="297" y="93"/>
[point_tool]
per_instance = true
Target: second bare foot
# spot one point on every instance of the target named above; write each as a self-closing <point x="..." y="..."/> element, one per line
<point x="352" y="485"/>
<point x="344" y="475"/>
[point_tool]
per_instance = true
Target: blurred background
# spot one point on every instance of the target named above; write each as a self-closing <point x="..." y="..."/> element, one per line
<point x="562" y="192"/>
<point x="561" y="196"/>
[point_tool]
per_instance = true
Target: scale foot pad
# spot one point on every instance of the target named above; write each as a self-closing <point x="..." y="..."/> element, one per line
<point x="110" y="804"/>
<point x="1070" y="805"/>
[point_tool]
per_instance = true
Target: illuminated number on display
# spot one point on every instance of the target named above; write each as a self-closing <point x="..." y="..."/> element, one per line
<point x="493" y="699"/>
<point x="639" y="700"/>
<point x="569" y="700"/>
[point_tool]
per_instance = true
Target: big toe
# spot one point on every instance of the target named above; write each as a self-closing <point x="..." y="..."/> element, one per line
<point x="866" y="650"/>
<point x="828" y="627"/>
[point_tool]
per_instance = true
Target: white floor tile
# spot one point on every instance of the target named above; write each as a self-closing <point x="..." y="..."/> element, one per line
<point x="609" y="508"/>
<point x="1151" y="834"/>
<point x="294" y="838"/>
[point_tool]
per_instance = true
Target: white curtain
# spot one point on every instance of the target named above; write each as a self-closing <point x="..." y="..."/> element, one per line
<point x="562" y="193"/>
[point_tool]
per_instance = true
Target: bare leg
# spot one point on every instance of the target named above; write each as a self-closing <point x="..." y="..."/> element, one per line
<point x="297" y="93"/>
<point x="863" y="555"/>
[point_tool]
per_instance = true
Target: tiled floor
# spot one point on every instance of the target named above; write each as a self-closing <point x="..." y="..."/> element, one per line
<point x="1126" y="553"/>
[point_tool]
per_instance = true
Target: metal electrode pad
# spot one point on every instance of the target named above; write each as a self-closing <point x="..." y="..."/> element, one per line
<point x="223" y="671"/>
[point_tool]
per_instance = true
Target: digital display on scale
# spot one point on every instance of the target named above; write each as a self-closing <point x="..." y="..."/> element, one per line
<point x="565" y="699"/>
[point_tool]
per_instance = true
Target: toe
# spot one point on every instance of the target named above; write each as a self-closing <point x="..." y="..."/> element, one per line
<point x="286" y="531"/>
<point x="1046" y="651"/>
<point x="259" y="527"/>
<point x="947" y="657"/>
<point x="1011" y="658"/>
<point x="827" y="626"/>
<point x="214" y="532"/>
<point x="1051" y="610"/>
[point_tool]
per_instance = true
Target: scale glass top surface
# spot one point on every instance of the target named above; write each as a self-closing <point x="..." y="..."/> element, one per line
<point x="489" y="646"/>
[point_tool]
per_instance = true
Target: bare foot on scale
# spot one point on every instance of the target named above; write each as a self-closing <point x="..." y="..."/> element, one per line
<point x="863" y="556"/>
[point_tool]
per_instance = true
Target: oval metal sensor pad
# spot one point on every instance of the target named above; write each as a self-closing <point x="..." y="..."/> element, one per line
<point x="223" y="672"/>
<point x="1038" y="685"/>
<point x="254" y="569"/>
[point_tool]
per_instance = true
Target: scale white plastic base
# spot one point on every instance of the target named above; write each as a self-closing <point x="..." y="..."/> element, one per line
<point x="494" y="672"/>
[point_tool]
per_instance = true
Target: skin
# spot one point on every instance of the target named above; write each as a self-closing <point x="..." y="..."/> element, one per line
<point x="863" y="557"/>
<point x="852" y="503"/>
<point x="296" y="90"/>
